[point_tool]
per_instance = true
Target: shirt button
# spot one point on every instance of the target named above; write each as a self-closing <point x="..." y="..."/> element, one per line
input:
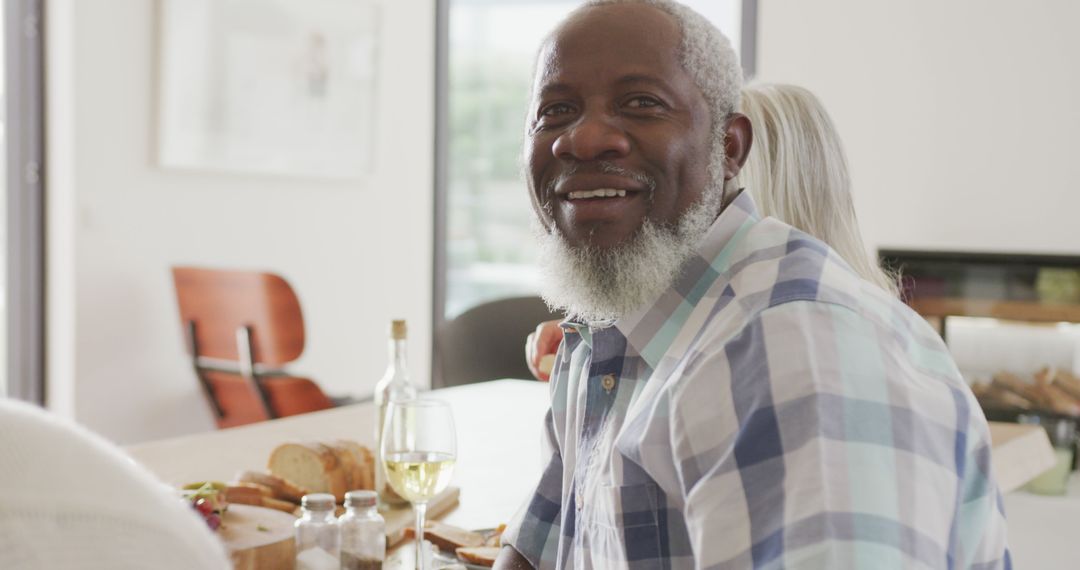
<point x="580" y="502"/>
<point x="608" y="382"/>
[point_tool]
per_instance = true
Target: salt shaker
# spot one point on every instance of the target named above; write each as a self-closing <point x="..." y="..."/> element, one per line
<point x="318" y="537"/>
<point x="363" y="532"/>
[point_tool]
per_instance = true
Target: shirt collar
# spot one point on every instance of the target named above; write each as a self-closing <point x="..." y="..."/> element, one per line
<point x="652" y="329"/>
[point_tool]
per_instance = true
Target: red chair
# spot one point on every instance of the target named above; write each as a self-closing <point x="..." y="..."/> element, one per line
<point x="242" y="328"/>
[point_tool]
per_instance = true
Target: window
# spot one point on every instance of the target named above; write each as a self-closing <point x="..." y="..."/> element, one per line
<point x="484" y="242"/>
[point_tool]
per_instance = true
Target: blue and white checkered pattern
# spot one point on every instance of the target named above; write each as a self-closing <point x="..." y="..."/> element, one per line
<point x="770" y="410"/>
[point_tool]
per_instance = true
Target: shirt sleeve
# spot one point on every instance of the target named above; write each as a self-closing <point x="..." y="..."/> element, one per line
<point x="534" y="530"/>
<point x="818" y="438"/>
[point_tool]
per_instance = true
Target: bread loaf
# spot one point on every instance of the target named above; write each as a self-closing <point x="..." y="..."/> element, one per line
<point x="361" y="473"/>
<point x="349" y="461"/>
<point x="313" y="466"/>
<point x="333" y="467"/>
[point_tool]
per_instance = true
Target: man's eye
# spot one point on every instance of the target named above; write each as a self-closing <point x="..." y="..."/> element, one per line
<point x="556" y="110"/>
<point x="642" y="102"/>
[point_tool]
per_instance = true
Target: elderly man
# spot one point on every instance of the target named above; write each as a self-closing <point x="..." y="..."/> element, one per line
<point x="729" y="394"/>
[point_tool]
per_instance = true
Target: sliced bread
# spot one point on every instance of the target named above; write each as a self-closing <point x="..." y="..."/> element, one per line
<point x="281" y="488"/>
<point x="360" y="463"/>
<point x="479" y="555"/>
<point x="311" y="465"/>
<point x="447" y="537"/>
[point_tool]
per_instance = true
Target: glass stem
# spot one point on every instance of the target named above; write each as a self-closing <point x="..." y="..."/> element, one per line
<point x="421" y="552"/>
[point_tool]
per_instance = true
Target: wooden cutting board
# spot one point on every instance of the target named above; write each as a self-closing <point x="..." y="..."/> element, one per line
<point x="259" y="538"/>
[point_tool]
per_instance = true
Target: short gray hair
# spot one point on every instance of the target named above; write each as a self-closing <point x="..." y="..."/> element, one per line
<point x="706" y="54"/>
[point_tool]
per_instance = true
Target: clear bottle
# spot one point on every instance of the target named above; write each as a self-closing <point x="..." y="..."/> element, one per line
<point x="393" y="387"/>
<point x="318" y="537"/>
<point x="363" y="532"/>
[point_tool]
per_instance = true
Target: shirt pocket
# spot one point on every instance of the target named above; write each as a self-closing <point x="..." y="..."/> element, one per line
<point x="620" y="526"/>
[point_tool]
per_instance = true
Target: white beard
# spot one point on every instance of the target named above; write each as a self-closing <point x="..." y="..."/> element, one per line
<point x="596" y="285"/>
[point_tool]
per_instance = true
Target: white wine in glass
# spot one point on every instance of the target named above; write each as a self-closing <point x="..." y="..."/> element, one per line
<point x="419" y="448"/>
<point x="419" y="476"/>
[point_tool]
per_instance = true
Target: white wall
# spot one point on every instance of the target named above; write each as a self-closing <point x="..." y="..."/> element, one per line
<point x="959" y="118"/>
<point x="358" y="254"/>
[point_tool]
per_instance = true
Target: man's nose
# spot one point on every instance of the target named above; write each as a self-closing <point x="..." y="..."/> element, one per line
<point x="594" y="136"/>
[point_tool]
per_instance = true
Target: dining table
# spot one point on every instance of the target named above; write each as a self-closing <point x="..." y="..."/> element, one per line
<point x="499" y="428"/>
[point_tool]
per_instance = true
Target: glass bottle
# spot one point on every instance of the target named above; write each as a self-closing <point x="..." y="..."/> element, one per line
<point x="393" y="387"/>
<point x="318" y="538"/>
<point x="363" y="532"/>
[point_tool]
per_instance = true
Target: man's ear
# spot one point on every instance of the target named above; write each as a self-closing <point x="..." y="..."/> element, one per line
<point x="738" y="137"/>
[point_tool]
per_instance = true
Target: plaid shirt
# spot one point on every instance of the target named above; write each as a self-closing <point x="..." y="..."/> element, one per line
<point x="769" y="410"/>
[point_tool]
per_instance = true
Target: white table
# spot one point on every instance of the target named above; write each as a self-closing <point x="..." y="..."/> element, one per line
<point x="1044" y="532"/>
<point x="499" y="426"/>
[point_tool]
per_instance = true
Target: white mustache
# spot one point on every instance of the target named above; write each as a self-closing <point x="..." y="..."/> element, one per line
<point x="606" y="168"/>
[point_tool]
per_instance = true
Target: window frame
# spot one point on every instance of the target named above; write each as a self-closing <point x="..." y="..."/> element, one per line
<point x="25" y="144"/>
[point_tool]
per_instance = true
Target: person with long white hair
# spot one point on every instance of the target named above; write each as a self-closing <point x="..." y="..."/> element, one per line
<point x="797" y="173"/>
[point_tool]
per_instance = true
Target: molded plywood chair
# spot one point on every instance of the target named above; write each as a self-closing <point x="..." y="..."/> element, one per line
<point x="487" y="342"/>
<point x="242" y="328"/>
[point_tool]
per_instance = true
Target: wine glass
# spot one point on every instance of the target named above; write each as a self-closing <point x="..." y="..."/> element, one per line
<point x="419" y="449"/>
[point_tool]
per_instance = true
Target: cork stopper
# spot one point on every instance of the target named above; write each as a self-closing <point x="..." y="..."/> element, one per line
<point x="398" y="330"/>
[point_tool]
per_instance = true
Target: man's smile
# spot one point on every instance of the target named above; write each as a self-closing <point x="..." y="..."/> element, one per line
<point x="585" y="198"/>
<point x="598" y="193"/>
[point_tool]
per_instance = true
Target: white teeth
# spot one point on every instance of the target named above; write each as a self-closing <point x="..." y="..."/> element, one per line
<point x="598" y="193"/>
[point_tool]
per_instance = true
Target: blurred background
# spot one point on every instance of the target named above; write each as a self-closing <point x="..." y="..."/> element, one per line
<point x="367" y="151"/>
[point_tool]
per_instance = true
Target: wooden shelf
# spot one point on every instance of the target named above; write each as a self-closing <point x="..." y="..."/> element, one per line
<point x="1009" y="310"/>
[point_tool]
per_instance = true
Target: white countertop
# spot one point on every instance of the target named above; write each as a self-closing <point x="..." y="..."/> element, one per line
<point x="1044" y="531"/>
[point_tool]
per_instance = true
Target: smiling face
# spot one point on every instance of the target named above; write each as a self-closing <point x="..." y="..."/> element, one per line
<point x="618" y="132"/>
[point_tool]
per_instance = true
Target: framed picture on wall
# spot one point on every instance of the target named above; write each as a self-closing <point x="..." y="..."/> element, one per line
<point x="280" y="87"/>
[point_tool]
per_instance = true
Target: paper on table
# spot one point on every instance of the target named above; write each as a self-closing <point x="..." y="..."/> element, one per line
<point x="1019" y="453"/>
